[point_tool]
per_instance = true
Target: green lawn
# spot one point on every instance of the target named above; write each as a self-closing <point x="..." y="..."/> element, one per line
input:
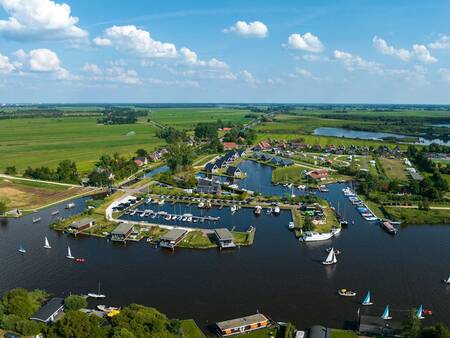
<point x="343" y="334"/>
<point x="46" y="141"/>
<point x="416" y="216"/>
<point x="292" y="174"/>
<point x="191" y="330"/>
<point x="394" y="168"/>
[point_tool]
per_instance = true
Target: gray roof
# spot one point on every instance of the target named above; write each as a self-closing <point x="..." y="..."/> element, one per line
<point x="318" y="331"/>
<point x="223" y="234"/>
<point x="122" y="229"/>
<point x="173" y="235"/>
<point x="46" y="311"/>
<point x="81" y="222"/>
<point x="416" y="176"/>
<point x="238" y="322"/>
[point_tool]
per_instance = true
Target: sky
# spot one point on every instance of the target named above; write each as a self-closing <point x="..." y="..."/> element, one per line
<point x="161" y="51"/>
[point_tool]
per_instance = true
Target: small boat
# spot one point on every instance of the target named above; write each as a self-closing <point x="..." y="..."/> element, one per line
<point x="291" y="226"/>
<point x="70" y="205"/>
<point x="276" y="210"/>
<point x="367" y="300"/>
<point x="201" y="205"/>
<point x="46" y="243"/>
<point x="21" y="249"/>
<point x="257" y="210"/>
<point x="69" y="253"/>
<point x="419" y="312"/>
<point x="37" y="219"/>
<point x="161" y="202"/>
<point x="343" y="223"/>
<point x="323" y="188"/>
<point x="168" y="217"/>
<point x="80" y="260"/>
<point x="311" y="236"/>
<point x="189" y="219"/>
<point x="233" y="208"/>
<point x="107" y="309"/>
<point x="385" y="314"/>
<point x="427" y="312"/>
<point x="269" y="211"/>
<point x="96" y="295"/>
<point x="346" y="293"/>
<point x="389" y="228"/>
<point x="56" y="212"/>
<point x="447" y="281"/>
<point x="337" y="252"/>
<point x="331" y="258"/>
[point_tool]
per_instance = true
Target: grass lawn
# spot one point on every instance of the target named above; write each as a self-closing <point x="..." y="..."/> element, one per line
<point x="292" y="174"/>
<point x="394" y="168"/>
<point x="191" y="330"/>
<point x="416" y="216"/>
<point x="196" y="240"/>
<point x="343" y="334"/>
<point x="263" y="333"/>
<point x="331" y="222"/>
<point x="47" y="141"/>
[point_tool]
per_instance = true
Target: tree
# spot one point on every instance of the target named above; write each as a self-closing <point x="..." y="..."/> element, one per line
<point x="22" y="303"/>
<point x="67" y="172"/>
<point x="206" y="130"/>
<point x="179" y="156"/>
<point x="77" y="324"/>
<point x="12" y="170"/>
<point x="75" y="302"/>
<point x="141" y="152"/>
<point x="411" y="327"/>
<point x="437" y="331"/>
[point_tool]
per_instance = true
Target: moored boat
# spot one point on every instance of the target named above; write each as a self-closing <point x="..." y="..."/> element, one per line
<point x="257" y="210"/>
<point x="311" y="236"/>
<point x="346" y="293"/>
<point x="37" y="219"/>
<point x="70" y="205"/>
<point x="98" y="294"/>
<point x="447" y="281"/>
<point x="389" y="228"/>
<point x="386" y="315"/>
<point x="291" y="226"/>
<point x="419" y="312"/>
<point x="21" y="249"/>
<point x="56" y="212"/>
<point x="276" y="210"/>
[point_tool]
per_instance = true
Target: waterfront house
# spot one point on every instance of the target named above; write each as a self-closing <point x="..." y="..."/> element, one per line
<point x="234" y="171"/>
<point x="263" y="145"/>
<point x="172" y="238"/>
<point x="211" y="168"/>
<point x="318" y="331"/>
<point x="142" y="160"/>
<point x="242" y="325"/>
<point x="224" y="238"/>
<point x="121" y="232"/>
<point x="376" y="326"/>
<point x="208" y="186"/>
<point x="50" y="311"/>
<point x="266" y="157"/>
<point x="229" y="145"/>
<point x="81" y="225"/>
<point x="318" y="174"/>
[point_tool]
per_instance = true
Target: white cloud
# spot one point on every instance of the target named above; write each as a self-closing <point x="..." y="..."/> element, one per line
<point x="445" y="74"/>
<point x="190" y="58"/>
<point x="382" y="46"/>
<point x="5" y="65"/>
<point x="307" y="42"/>
<point x="304" y="73"/>
<point x="92" y="68"/>
<point x="417" y="73"/>
<point x="39" y="20"/>
<point x="135" y="40"/>
<point x="255" y="29"/>
<point x="423" y="54"/>
<point x="352" y="62"/>
<point x="442" y="43"/>
<point x="115" y="74"/>
<point x="248" y="77"/>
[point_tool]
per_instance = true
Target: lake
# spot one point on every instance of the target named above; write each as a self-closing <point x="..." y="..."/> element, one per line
<point x="278" y="275"/>
<point x="370" y="135"/>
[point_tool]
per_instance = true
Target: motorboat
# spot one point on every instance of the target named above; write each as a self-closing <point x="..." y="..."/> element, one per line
<point x="56" y="212"/>
<point x="22" y="250"/>
<point x="80" y="260"/>
<point x="346" y="293"/>
<point x="389" y="228"/>
<point x="201" y="205"/>
<point x="70" y="205"/>
<point x="257" y="210"/>
<point x="269" y="211"/>
<point x="276" y="210"/>
<point x="233" y="208"/>
<point x="312" y="236"/>
<point x="37" y="219"/>
<point x="291" y="226"/>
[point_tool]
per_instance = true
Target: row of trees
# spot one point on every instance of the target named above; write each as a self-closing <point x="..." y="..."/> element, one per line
<point x="112" y="167"/>
<point x="117" y="115"/>
<point x="171" y="135"/>
<point x="65" y="172"/>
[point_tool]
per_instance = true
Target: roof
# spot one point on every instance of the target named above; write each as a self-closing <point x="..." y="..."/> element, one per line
<point x="223" y="234"/>
<point x="416" y="176"/>
<point x="210" y="166"/>
<point x="122" y="229"/>
<point x="238" y="322"/>
<point x="318" y="331"/>
<point x="232" y="170"/>
<point x="230" y="145"/>
<point x="81" y="223"/>
<point x="49" y="309"/>
<point x="173" y="235"/>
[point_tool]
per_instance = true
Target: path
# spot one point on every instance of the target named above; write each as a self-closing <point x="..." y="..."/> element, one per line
<point x="38" y="181"/>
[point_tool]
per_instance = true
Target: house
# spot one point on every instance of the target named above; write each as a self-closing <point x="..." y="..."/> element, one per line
<point x="234" y="171"/>
<point x="297" y="145"/>
<point x="208" y="186"/>
<point x="172" y="238"/>
<point x="81" y="225"/>
<point x="266" y="157"/>
<point x="318" y="174"/>
<point x="318" y="331"/>
<point x="375" y="325"/>
<point x="50" y="311"/>
<point x="226" y="129"/>
<point x="229" y="145"/>
<point x="242" y="325"/>
<point x="211" y="168"/>
<point x="241" y="152"/>
<point x="224" y="238"/>
<point x="121" y="232"/>
<point x="143" y="160"/>
<point x="285" y="162"/>
<point x="263" y="145"/>
<point x="139" y="163"/>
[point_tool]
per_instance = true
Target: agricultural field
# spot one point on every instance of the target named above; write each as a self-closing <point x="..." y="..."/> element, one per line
<point x="187" y="118"/>
<point x="28" y="195"/>
<point x="47" y="141"/>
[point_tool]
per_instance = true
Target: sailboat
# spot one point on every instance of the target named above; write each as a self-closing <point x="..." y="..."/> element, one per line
<point x="46" y="243"/>
<point x="98" y="294"/>
<point x="21" y="249"/>
<point x="366" y="300"/>
<point x="385" y="314"/>
<point x="331" y="258"/>
<point x="69" y="253"/>
<point x="447" y="281"/>
<point x="419" y="312"/>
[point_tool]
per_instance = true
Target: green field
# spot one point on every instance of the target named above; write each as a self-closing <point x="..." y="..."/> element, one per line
<point x="394" y="168"/>
<point x="47" y="141"/>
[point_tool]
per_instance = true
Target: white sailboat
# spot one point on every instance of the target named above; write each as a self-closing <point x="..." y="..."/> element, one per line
<point x="447" y="281"/>
<point x="419" y="312"/>
<point x="21" y="249"/>
<point x="367" y="300"/>
<point x="385" y="314"/>
<point x="331" y="258"/>
<point x="69" y="253"/>
<point x="46" y="243"/>
<point x="98" y="294"/>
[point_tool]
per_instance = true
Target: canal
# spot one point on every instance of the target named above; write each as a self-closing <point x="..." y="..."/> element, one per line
<point x="277" y="275"/>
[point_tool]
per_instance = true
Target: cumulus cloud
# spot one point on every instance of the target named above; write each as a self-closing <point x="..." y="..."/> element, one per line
<point x="190" y="57"/>
<point x="423" y="54"/>
<point x="382" y="46"/>
<point x="114" y="74"/>
<point x="303" y="73"/>
<point x="255" y="29"/>
<point x="5" y="65"/>
<point x="442" y="43"/>
<point x="138" y="41"/>
<point x="39" y="20"/>
<point x="352" y="62"/>
<point x="307" y="42"/>
<point x="248" y="77"/>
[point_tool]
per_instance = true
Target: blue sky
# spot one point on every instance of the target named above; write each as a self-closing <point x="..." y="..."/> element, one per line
<point x="315" y="51"/>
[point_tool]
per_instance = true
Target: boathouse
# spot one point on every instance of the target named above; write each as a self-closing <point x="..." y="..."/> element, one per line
<point x="224" y="238"/>
<point x="121" y="232"/>
<point x="242" y="325"/>
<point x="172" y="238"/>
<point x="50" y="311"/>
<point x="81" y="225"/>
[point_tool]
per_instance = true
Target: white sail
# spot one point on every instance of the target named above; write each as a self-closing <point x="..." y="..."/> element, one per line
<point x="334" y="258"/>
<point x="386" y="315"/>
<point x="448" y="280"/>
<point x="419" y="312"/>
<point x="331" y="258"/>
<point x="367" y="300"/>
<point x="47" y="244"/>
<point x="69" y="253"/>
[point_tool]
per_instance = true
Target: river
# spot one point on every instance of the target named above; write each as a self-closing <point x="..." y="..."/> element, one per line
<point x="277" y="275"/>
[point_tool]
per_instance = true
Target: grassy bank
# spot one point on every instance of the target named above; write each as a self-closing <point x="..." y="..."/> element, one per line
<point x="416" y="216"/>
<point x="343" y="334"/>
<point x="191" y="330"/>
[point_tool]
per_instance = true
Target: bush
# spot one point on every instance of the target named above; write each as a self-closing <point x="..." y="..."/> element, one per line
<point x="74" y="302"/>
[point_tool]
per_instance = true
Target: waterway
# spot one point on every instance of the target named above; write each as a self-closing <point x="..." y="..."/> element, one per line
<point x="369" y="135"/>
<point x="278" y="275"/>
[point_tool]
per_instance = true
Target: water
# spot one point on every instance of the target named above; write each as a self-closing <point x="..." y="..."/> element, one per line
<point x="370" y="135"/>
<point x="156" y="171"/>
<point x="278" y="275"/>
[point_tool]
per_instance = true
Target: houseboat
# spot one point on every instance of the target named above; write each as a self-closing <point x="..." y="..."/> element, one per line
<point x="389" y="228"/>
<point x="242" y="325"/>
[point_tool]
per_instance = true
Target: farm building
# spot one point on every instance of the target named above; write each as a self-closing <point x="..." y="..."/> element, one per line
<point x="242" y="325"/>
<point x="50" y="311"/>
<point x="121" y="232"/>
<point x="81" y="225"/>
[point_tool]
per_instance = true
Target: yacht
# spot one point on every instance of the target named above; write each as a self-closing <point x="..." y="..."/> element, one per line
<point x="291" y="226"/>
<point x="276" y="210"/>
<point x="311" y="236"/>
<point x="257" y="210"/>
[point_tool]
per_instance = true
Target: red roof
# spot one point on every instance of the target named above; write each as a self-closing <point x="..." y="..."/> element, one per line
<point x="264" y="145"/>
<point x="318" y="174"/>
<point x="139" y="163"/>
<point x="226" y="129"/>
<point x="230" y="145"/>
